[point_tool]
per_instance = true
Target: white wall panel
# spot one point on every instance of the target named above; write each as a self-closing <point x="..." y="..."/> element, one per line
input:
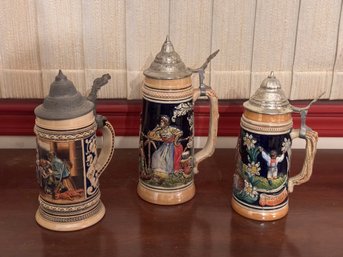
<point x="301" y="40"/>
<point x="274" y="41"/>
<point x="190" y="32"/>
<point x="315" y="48"/>
<point x="20" y="64"/>
<point x="337" y="83"/>
<point x="146" y="29"/>
<point x="61" y="40"/>
<point x="105" y="45"/>
<point x="233" y="27"/>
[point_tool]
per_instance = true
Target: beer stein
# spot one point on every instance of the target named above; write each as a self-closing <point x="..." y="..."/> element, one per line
<point x="68" y="166"/>
<point x="261" y="181"/>
<point x="167" y="159"/>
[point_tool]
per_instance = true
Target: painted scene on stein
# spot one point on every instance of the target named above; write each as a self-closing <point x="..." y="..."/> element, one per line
<point x="166" y="144"/>
<point x="260" y="179"/>
<point x="61" y="169"/>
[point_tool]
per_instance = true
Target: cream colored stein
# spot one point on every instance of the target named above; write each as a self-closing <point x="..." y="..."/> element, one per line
<point x="68" y="166"/>
<point x="167" y="159"/>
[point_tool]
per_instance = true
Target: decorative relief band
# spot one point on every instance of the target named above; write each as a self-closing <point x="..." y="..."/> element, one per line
<point x="261" y="117"/>
<point x="74" y="218"/>
<point x="267" y="128"/>
<point x="172" y="84"/>
<point x="68" y="124"/>
<point x="169" y="95"/>
<point x="77" y="134"/>
<point x="67" y="210"/>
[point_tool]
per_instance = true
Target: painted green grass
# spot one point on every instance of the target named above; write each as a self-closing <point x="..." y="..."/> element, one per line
<point x="173" y="180"/>
<point x="263" y="183"/>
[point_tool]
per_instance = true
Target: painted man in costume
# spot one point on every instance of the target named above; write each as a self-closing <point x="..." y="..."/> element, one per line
<point x="60" y="171"/>
<point x="272" y="161"/>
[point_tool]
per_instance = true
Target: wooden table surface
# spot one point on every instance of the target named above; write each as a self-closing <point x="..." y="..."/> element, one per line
<point x="205" y="226"/>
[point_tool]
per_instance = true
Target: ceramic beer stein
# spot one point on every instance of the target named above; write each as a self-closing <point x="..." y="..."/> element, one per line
<point x="261" y="181"/>
<point x="167" y="160"/>
<point x="68" y="166"/>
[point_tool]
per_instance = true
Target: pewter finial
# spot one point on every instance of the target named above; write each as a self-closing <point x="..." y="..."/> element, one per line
<point x="271" y="75"/>
<point x="167" y="46"/>
<point x="167" y="64"/>
<point x="60" y="76"/>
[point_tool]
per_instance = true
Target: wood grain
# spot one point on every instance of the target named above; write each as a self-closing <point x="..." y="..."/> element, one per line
<point x="205" y="226"/>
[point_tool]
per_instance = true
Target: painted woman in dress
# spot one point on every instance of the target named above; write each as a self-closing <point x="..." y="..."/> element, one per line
<point x="168" y="156"/>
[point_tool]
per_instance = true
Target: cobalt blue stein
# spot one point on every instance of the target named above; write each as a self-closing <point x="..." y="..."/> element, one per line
<point x="261" y="182"/>
<point x="167" y="162"/>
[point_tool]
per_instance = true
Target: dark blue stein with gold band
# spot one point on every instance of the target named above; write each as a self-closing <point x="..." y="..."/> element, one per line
<point x="167" y="159"/>
<point x="261" y="181"/>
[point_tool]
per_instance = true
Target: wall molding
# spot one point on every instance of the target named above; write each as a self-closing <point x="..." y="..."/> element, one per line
<point x="17" y="117"/>
<point x="130" y="142"/>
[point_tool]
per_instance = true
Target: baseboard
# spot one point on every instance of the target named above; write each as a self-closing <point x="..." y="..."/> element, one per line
<point x="122" y="142"/>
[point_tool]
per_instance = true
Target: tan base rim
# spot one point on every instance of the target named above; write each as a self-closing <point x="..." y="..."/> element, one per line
<point x="71" y="226"/>
<point x="166" y="197"/>
<point x="260" y="215"/>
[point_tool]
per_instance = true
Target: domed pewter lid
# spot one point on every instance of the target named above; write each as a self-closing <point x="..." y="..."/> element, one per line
<point x="269" y="98"/>
<point x="63" y="101"/>
<point x="167" y="64"/>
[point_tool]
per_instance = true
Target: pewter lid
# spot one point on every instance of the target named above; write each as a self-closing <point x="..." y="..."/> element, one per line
<point x="63" y="101"/>
<point x="167" y="64"/>
<point x="269" y="98"/>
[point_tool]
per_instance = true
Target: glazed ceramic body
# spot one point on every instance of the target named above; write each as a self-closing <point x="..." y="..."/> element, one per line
<point x="68" y="173"/>
<point x="264" y="154"/>
<point x="261" y="182"/>
<point x="167" y="162"/>
<point x="166" y="143"/>
<point x="68" y="166"/>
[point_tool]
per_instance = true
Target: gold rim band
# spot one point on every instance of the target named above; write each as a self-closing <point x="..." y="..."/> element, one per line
<point x="260" y="215"/>
<point x="166" y="197"/>
<point x="279" y="118"/>
<point x="75" y="123"/>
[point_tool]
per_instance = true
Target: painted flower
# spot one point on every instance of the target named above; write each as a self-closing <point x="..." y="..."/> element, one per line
<point x="254" y="168"/>
<point x="249" y="189"/>
<point x="249" y="141"/>
<point x="286" y="145"/>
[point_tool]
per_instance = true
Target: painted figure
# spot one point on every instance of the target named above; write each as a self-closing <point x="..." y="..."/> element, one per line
<point x="272" y="161"/>
<point x="168" y="156"/>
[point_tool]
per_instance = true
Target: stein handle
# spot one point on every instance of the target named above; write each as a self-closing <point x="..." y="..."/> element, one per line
<point x="209" y="147"/>
<point x="107" y="149"/>
<point x="311" y="138"/>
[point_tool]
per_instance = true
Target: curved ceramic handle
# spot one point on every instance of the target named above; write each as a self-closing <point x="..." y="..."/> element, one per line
<point x="311" y="138"/>
<point x="107" y="149"/>
<point x="209" y="147"/>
